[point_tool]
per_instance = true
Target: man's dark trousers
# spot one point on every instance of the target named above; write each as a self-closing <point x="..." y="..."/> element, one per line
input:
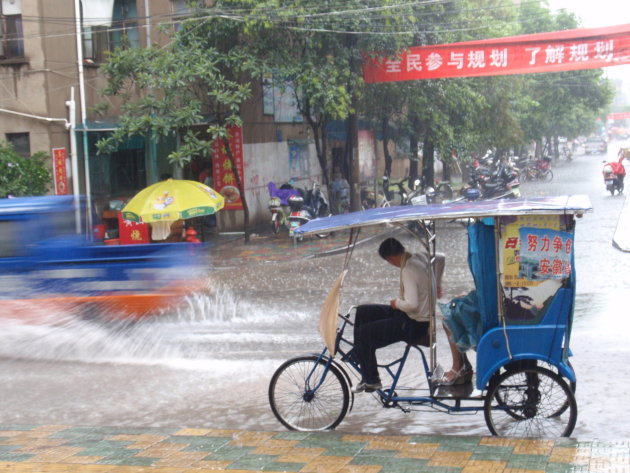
<point x="378" y="325"/>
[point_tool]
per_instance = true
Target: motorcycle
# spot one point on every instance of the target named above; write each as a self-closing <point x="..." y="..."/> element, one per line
<point x="614" y="173"/>
<point x="421" y="194"/>
<point x="303" y="210"/>
<point x="501" y="182"/>
<point x="278" y="205"/>
<point x="539" y="170"/>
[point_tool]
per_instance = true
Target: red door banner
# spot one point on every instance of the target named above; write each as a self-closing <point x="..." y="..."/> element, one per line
<point x="223" y="177"/>
<point x="566" y="50"/>
<point x="60" y="172"/>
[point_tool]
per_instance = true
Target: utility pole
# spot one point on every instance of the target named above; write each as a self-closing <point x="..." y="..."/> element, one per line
<point x="86" y="156"/>
<point x="74" y="160"/>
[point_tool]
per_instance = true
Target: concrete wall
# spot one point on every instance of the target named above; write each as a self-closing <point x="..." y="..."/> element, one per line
<point x="265" y="162"/>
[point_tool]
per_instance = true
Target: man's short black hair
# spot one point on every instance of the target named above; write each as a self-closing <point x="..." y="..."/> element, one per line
<point x="390" y="247"/>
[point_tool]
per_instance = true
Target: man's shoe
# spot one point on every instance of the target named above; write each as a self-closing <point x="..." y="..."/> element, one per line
<point x="367" y="387"/>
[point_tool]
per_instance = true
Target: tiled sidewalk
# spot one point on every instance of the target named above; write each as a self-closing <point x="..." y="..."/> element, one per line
<point x="60" y="448"/>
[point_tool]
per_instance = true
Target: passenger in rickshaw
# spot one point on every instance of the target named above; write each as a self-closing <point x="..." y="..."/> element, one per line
<point x="406" y="318"/>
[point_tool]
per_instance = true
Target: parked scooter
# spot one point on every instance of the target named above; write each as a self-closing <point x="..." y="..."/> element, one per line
<point x="279" y="204"/>
<point x="418" y="193"/>
<point x="614" y="173"/>
<point x="497" y="181"/>
<point x="538" y="170"/>
<point x="315" y="205"/>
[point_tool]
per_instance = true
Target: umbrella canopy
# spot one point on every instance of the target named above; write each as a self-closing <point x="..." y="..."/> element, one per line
<point x="171" y="200"/>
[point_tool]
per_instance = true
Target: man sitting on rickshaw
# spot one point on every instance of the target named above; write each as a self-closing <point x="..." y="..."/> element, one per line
<point x="406" y="318"/>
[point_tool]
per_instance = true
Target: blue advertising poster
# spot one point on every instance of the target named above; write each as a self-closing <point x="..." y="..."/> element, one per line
<point x="545" y="253"/>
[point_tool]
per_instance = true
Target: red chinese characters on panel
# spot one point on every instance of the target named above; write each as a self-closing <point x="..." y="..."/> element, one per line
<point x="224" y="178"/>
<point x="540" y="52"/>
<point x="59" y="171"/>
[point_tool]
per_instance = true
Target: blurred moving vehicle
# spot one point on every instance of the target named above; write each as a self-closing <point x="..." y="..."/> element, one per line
<point x="45" y="265"/>
<point x="595" y="145"/>
<point x="615" y="172"/>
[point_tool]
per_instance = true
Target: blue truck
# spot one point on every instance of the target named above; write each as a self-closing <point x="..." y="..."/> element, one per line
<point x="45" y="265"/>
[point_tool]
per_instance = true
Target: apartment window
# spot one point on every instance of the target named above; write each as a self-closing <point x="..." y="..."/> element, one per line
<point x="185" y="8"/>
<point x="11" y="35"/>
<point x="20" y="142"/>
<point x="123" y="32"/>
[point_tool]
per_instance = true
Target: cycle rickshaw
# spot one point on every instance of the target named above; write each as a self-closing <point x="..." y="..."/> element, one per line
<point x="520" y="254"/>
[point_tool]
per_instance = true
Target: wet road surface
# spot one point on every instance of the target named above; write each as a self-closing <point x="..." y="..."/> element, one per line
<point x="209" y="364"/>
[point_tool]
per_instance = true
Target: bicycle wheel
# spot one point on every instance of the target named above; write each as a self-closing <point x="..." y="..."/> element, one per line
<point x="516" y="415"/>
<point x="528" y="402"/>
<point x="305" y="396"/>
<point x="547" y="176"/>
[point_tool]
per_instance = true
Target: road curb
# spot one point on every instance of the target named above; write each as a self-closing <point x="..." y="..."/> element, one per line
<point x="621" y="237"/>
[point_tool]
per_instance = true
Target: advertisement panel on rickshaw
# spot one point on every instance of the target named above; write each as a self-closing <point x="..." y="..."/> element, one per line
<point x="536" y="256"/>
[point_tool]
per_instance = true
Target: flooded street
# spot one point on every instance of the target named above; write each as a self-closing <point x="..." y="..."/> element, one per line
<point x="209" y="364"/>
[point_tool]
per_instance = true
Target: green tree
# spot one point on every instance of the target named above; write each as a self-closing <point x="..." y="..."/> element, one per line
<point x="319" y="46"/>
<point x="562" y="103"/>
<point x="202" y="76"/>
<point x="23" y="176"/>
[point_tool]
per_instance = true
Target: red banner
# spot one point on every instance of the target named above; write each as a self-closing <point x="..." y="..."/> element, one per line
<point x="224" y="179"/>
<point x="60" y="172"/>
<point x="542" y="52"/>
<point x="618" y="116"/>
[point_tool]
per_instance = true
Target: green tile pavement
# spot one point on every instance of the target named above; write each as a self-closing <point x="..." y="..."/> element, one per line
<point x="48" y="448"/>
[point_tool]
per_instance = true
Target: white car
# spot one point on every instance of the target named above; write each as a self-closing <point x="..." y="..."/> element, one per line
<point x="595" y="145"/>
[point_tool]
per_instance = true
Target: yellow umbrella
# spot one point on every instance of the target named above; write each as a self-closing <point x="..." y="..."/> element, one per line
<point x="171" y="200"/>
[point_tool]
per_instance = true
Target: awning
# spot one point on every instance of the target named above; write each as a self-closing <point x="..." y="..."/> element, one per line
<point x="97" y="126"/>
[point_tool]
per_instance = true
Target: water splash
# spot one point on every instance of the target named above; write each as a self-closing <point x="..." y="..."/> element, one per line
<point x="202" y="329"/>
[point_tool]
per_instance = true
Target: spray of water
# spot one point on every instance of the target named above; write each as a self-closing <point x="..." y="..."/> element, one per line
<point x="202" y="328"/>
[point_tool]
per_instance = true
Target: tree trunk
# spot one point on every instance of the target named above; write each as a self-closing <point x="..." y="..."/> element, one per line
<point x="239" y="184"/>
<point x="388" y="157"/>
<point x="353" y="158"/>
<point x="446" y="171"/>
<point x="428" y="157"/>
<point x="413" y="158"/>
<point x="319" y="136"/>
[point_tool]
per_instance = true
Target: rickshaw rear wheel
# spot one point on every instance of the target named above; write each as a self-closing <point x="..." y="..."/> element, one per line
<point x="301" y="400"/>
<point x="561" y="410"/>
<point x="530" y="402"/>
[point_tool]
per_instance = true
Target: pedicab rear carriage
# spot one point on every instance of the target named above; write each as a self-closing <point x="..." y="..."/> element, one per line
<point x="521" y="256"/>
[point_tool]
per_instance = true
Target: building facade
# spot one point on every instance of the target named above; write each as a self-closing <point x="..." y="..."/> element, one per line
<point x="50" y="78"/>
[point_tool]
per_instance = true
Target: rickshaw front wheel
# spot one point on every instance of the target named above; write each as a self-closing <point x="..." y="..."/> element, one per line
<point x="305" y="395"/>
<point x="530" y="402"/>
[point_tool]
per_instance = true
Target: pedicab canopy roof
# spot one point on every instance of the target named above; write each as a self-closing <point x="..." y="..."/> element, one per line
<point x="558" y="205"/>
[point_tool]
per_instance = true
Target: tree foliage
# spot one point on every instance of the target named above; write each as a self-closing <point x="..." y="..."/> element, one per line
<point x="23" y="176"/>
<point x="204" y="75"/>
